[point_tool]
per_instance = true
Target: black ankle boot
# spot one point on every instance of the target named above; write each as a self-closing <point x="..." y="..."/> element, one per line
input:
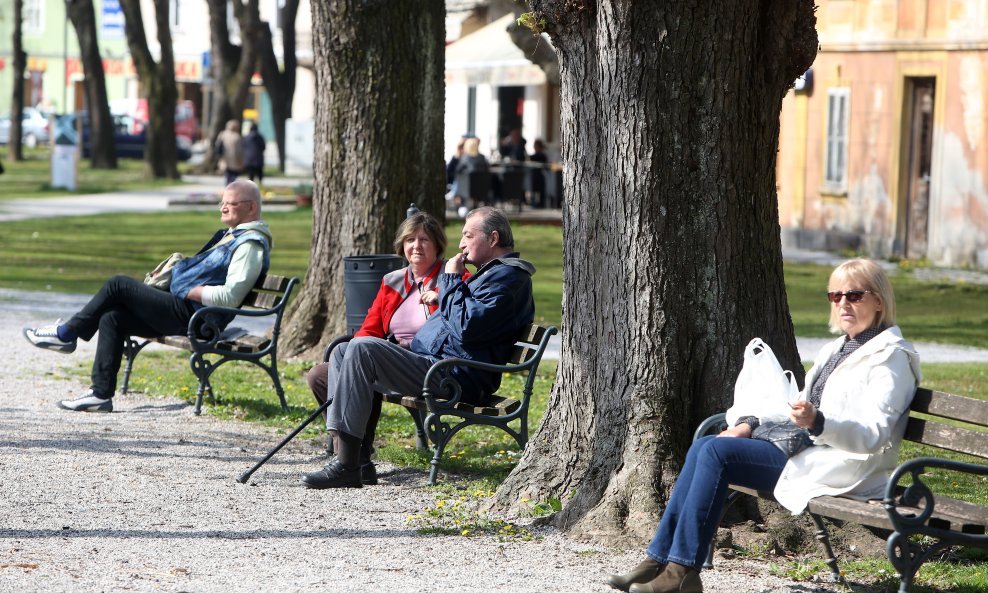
<point x="646" y="570"/>
<point x="342" y="472"/>
<point x="334" y="475"/>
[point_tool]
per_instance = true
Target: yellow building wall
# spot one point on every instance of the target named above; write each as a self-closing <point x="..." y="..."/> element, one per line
<point x="872" y="47"/>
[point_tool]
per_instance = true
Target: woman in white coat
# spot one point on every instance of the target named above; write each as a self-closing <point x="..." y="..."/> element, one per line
<point x="854" y="409"/>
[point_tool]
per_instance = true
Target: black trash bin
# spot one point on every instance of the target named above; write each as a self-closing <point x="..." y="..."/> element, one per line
<point x="362" y="276"/>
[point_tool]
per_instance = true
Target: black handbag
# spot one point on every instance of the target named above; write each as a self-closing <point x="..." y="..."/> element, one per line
<point x="787" y="436"/>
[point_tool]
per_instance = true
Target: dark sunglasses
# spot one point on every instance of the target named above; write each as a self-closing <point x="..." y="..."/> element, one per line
<point x="853" y="296"/>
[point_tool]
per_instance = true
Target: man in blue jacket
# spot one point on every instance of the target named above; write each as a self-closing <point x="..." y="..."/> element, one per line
<point x="221" y="273"/>
<point x="478" y="319"/>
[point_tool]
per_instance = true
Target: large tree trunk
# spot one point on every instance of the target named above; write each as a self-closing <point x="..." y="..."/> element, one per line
<point x="17" y="101"/>
<point x="378" y="142"/>
<point x="233" y="67"/>
<point x="158" y="84"/>
<point x="672" y="258"/>
<point x="280" y="82"/>
<point x="83" y="19"/>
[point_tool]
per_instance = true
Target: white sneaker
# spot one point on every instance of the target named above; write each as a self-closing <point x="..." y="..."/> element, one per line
<point x="46" y="337"/>
<point x="87" y="402"/>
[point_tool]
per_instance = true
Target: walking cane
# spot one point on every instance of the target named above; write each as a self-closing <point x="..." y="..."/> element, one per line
<point x="247" y="474"/>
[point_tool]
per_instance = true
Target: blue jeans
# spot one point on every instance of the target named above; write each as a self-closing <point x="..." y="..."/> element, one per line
<point x="694" y="510"/>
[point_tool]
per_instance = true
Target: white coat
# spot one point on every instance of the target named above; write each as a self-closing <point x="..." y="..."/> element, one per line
<point x="865" y="404"/>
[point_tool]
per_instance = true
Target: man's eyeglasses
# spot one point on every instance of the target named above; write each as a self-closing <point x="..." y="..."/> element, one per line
<point x="227" y="204"/>
<point x="853" y="296"/>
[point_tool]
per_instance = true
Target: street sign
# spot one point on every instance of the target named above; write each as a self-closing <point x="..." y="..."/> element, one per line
<point x="112" y="21"/>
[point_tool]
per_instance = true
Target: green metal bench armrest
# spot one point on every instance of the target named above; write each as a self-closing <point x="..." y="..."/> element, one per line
<point x="919" y="494"/>
<point x="715" y="423"/>
<point x="449" y="386"/>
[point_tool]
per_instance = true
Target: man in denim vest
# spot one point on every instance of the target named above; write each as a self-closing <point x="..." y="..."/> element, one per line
<point x="221" y="273"/>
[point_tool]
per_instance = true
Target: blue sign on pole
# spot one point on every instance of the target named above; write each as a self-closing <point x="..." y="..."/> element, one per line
<point x="112" y="20"/>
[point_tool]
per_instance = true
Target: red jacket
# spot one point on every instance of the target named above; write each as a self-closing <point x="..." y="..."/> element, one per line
<point x="395" y="288"/>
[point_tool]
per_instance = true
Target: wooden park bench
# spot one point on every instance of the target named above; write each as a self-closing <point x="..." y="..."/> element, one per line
<point x="430" y="411"/>
<point x="910" y="507"/>
<point x="267" y="298"/>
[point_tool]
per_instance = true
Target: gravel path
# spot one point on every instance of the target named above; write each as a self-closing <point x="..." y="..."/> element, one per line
<point x="144" y="499"/>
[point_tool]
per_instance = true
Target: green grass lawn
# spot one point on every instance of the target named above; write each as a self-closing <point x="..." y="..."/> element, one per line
<point x="77" y="254"/>
<point x="31" y="177"/>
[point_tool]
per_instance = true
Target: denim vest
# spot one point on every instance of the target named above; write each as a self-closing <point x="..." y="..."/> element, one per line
<point x="208" y="267"/>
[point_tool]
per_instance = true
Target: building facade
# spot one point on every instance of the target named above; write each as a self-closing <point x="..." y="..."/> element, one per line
<point x="55" y="76"/>
<point x="883" y="145"/>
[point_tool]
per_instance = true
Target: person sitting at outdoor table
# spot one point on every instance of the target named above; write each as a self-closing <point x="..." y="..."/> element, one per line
<point x="854" y="412"/>
<point x="472" y="161"/>
<point x="512" y="146"/>
<point x="478" y="318"/>
<point x="536" y="176"/>
<point x="404" y="301"/>
<point x="221" y="273"/>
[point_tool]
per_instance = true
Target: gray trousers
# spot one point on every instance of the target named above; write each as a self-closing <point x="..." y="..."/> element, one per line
<point x="362" y="366"/>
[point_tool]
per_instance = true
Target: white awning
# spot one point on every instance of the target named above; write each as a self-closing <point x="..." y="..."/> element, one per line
<point x="488" y="56"/>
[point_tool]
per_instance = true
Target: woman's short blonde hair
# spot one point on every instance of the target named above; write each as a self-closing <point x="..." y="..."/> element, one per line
<point x="412" y="225"/>
<point x="866" y="275"/>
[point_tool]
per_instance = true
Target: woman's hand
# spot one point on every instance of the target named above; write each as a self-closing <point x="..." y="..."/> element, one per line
<point x="742" y="430"/>
<point x="803" y="414"/>
<point x="429" y="297"/>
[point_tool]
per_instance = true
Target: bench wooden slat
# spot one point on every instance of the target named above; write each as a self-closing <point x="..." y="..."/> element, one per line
<point x="532" y="334"/>
<point x="949" y="513"/>
<point x="498" y="406"/>
<point x="520" y="354"/>
<point x="948" y="405"/>
<point x="261" y="300"/>
<point x="944" y="436"/>
<point x="272" y="283"/>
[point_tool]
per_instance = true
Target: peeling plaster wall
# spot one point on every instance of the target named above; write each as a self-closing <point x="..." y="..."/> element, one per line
<point x="872" y="48"/>
<point x="959" y="217"/>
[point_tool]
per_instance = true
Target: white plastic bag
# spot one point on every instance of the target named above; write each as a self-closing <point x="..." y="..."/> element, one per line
<point x="763" y="388"/>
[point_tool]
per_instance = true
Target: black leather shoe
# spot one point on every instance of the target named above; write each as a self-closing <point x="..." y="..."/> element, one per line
<point x="333" y="475"/>
<point x="647" y="570"/>
<point x="368" y="474"/>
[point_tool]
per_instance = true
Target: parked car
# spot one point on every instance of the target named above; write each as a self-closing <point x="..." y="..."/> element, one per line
<point x="186" y="120"/>
<point x="34" y="128"/>
<point x="129" y="145"/>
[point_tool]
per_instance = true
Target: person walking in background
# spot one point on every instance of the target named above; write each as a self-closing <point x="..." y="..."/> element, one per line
<point x="229" y="146"/>
<point x="254" y="154"/>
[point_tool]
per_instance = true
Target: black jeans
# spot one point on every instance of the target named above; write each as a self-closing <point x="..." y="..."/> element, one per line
<point x="126" y="307"/>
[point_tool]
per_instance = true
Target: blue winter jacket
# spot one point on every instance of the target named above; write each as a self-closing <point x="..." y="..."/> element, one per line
<point x="479" y="319"/>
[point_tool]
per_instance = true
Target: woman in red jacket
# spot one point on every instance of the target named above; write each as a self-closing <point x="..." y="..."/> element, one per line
<point x="404" y="301"/>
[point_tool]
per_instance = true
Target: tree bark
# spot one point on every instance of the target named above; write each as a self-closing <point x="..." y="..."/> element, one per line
<point x="378" y="142"/>
<point x="672" y="259"/>
<point x="158" y="84"/>
<point x="280" y="82"/>
<point x="16" y="150"/>
<point x="103" y="151"/>
<point x="233" y="67"/>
